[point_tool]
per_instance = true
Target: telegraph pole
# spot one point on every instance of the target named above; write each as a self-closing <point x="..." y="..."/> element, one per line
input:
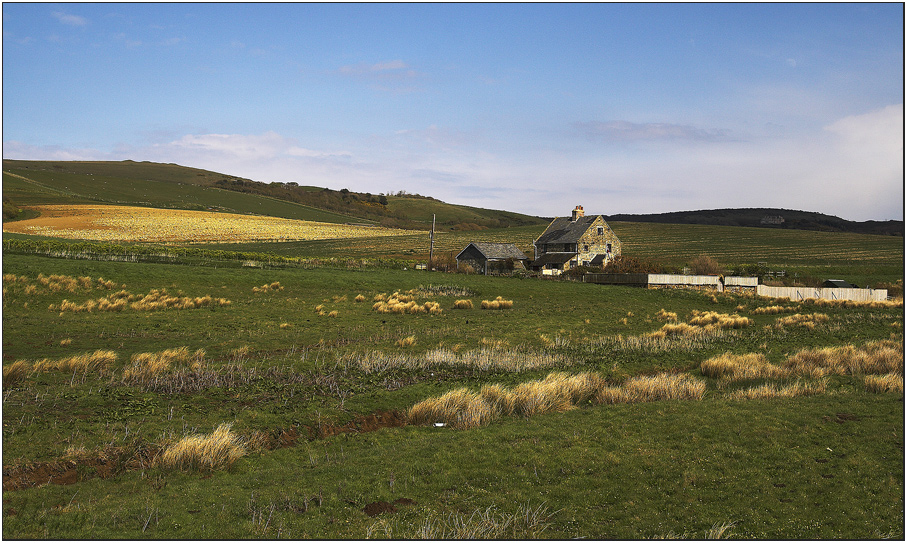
<point x="431" y="246"/>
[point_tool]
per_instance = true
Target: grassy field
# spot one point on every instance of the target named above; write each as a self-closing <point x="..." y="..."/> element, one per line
<point x="327" y="390"/>
<point x="171" y="402"/>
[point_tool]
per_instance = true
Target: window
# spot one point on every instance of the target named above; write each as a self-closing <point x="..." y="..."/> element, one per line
<point x="601" y="230"/>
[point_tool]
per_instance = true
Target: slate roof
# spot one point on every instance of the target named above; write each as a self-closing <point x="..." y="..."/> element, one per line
<point x="553" y="258"/>
<point x="497" y="251"/>
<point x="837" y="283"/>
<point x="564" y="230"/>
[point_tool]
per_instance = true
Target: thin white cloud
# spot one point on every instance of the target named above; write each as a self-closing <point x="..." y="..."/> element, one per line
<point x="626" y="131"/>
<point x="69" y="19"/>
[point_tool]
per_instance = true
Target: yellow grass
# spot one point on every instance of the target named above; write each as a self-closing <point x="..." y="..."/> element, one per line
<point x="735" y="367"/>
<point x="774" y="390"/>
<point x="408" y="341"/>
<point x="877" y="357"/>
<point x="497" y="303"/>
<point x="139" y="224"/>
<point x="268" y="287"/>
<point x="463" y="304"/>
<point x="15" y="372"/>
<point x="808" y="321"/>
<point x="890" y="382"/>
<point x="218" y="449"/>
<point x="774" y="310"/>
<point x="97" y="360"/>
<point x="147" y="366"/>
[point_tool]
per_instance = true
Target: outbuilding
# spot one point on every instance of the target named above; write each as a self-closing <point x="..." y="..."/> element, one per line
<point x="492" y="256"/>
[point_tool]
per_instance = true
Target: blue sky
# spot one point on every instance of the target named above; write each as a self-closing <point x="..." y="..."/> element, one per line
<point x="534" y="108"/>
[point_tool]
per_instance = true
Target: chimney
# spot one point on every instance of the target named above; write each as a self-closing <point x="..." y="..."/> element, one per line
<point x="577" y="213"/>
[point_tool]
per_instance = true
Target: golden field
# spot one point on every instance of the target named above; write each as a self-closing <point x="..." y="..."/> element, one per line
<point x="141" y="224"/>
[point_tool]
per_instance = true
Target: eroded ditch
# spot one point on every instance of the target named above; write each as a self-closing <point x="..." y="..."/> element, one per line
<point x="116" y="460"/>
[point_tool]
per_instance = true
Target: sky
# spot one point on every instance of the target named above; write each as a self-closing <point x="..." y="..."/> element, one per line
<point x="532" y="108"/>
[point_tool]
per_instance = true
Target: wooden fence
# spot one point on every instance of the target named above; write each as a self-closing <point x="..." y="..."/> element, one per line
<point x="801" y="293"/>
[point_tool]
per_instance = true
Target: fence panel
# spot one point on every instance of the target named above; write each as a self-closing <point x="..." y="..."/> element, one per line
<point x="800" y="293"/>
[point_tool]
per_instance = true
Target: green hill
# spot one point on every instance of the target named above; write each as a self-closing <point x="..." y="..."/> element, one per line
<point x="151" y="184"/>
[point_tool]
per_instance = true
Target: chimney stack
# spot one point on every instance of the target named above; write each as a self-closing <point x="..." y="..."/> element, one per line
<point x="577" y="213"/>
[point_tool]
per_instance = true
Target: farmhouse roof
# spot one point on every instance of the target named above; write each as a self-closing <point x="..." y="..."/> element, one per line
<point x="837" y="283"/>
<point x="565" y="230"/>
<point x="553" y="258"/>
<point x="497" y="251"/>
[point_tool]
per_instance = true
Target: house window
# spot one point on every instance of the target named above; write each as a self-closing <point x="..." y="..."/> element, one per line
<point x="585" y="248"/>
<point x="601" y="230"/>
<point x="608" y="248"/>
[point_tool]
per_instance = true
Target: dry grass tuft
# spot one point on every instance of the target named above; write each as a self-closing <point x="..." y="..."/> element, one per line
<point x="890" y="382"/>
<point x="877" y="357"/>
<point x="666" y="316"/>
<point x="734" y="367"/>
<point x="774" y="310"/>
<point x="463" y="304"/>
<point x="98" y="360"/>
<point x="218" y="449"/>
<point x="458" y="408"/>
<point x="664" y="386"/>
<point x="807" y="321"/>
<point x="15" y="372"/>
<point x="497" y="303"/>
<point x="359" y="298"/>
<point x="272" y="287"/>
<point x="773" y="390"/>
<point x="408" y="341"/>
<point x="147" y="366"/>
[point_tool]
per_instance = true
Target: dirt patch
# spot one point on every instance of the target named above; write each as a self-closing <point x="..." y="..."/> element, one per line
<point x="108" y="463"/>
<point x="376" y="508"/>
<point x="362" y="423"/>
<point x="841" y="418"/>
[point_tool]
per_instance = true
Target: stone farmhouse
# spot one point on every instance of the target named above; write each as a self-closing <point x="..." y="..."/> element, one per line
<point x="574" y="241"/>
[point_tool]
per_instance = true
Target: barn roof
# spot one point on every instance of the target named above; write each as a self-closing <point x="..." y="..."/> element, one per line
<point x="553" y="258"/>
<point x="565" y="230"/>
<point x="837" y="283"/>
<point x="497" y="251"/>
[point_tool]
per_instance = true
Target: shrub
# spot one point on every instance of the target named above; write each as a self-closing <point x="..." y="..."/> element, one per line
<point x="704" y="265"/>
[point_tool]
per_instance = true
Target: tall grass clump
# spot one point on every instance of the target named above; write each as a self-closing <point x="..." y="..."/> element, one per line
<point x="890" y="382"/>
<point x="484" y="524"/>
<point x="15" y="372"/>
<point x="664" y="386"/>
<point x="807" y="321"/>
<point x="148" y="366"/>
<point x="460" y="408"/>
<point x="219" y="449"/>
<point x="735" y="367"/>
<point x="775" y="390"/>
<point x="98" y="360"/>
<point x="463" y="304"/>
<point x="876" y="357"/>
<point x="497" y="303"/>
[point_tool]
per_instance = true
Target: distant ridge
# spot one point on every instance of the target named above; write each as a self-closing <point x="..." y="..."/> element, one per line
<point x="768" y="218"/>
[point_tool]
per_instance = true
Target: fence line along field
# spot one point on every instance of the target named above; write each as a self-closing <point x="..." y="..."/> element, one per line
<point x="139" y="224"/>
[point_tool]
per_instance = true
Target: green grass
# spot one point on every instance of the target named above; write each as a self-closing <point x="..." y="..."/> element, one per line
<point x="826" y="466"/>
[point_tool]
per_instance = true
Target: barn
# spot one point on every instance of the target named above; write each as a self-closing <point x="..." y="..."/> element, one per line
<point x="495" y="257"/>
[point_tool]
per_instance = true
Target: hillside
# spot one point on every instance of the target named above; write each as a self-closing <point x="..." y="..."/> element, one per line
<point x="173" y="186"/>
<point x="769" y="218"/>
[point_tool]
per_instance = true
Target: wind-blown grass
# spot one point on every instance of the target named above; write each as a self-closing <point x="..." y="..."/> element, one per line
<point x="218" y="449"/>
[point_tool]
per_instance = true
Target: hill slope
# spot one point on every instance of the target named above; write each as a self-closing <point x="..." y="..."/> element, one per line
<point x="769" y="218"/>
<point x="173" y="186"/>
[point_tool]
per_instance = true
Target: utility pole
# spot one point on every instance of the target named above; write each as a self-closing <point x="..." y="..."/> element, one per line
<point x="431" y="246"/>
